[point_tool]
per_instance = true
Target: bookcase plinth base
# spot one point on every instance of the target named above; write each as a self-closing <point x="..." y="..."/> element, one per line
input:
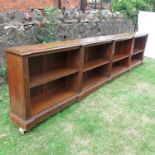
<point x="38" y="118"/>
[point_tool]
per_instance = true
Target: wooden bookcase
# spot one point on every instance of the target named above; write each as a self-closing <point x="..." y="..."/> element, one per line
<point x="51" y="77"/>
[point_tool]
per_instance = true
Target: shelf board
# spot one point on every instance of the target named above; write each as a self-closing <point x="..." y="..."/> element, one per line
<point x="50" y="76"/>
<point x="39" y="104"/>
<point x="136" y="51"/>
<point x="93" y="81"/>
<point x="118" y="57"/>
<point x="135" y="62"/>
<point x="93" y="64"/>
<point x="118" y="70"/>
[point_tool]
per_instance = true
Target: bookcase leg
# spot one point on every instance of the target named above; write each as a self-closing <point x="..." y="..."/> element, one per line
<point x="22" y="131"/>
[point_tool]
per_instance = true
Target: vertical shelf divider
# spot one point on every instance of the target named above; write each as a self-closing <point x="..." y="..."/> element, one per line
<point x="132" y="49"/>
<point x="111" y="57"/>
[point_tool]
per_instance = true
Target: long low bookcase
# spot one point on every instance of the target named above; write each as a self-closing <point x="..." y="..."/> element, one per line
<point x="46" y="78"/>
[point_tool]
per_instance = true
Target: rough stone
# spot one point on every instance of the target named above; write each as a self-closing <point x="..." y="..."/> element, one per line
<point x="106" y="14"/>
<point x="75" y="13"/>
<point x="37" y="15"/>
<point x="3" y="18"/>
<point x="59" y="16"/>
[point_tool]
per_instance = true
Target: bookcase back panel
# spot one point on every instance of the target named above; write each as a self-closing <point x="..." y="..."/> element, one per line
<point x="123" y="47"/>
<point x="73" y="58"/>
<point x="36" y="91"/>
<point x="98" y="52"/>
<point x="35" y="65"/>
<point x="56" y="61"/>
<point x="140" y="43"/>
<point x="92" y="54"/>
<point x="56" y="85"/>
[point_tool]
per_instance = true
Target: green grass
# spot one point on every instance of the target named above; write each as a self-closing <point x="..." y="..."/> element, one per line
<point x="118" y="119"/>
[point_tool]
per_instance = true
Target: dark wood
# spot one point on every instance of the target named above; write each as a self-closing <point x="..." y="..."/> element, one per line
<point x="139" y="44"/>
<point x="47" y="78"/>
<point x="123" y="49"/>
<point x="136" y="59"/>
<point x="119" y="67"/>
<point x="93" y="64"/>
<point x="95" y="76"/>
<point x="42" y="103"/>
<point x="119" y="57"/>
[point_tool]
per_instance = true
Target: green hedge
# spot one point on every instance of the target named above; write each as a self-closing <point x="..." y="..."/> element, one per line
<point x="130" y="8"/>
<point x="3" y="71"/>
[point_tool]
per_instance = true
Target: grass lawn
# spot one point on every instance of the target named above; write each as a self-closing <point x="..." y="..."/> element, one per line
<point x="118" y="119"/>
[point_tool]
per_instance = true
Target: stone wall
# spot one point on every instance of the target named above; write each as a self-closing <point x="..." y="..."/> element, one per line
<point x="75" y="24"/>
<point x="17" y="28"/>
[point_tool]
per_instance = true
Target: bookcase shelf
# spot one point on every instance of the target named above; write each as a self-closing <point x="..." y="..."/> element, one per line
<point x="136" y="59"/>
<point x="120" y="67"/>
<point x="119" y="57"/>
<point x="48" y="101"/>
<point x="52" y="93"/>
<point x="136" y="51"/>
<point x="93" y="64"/>
<point x="51" y="77"/>
<point x="95" y="76"/>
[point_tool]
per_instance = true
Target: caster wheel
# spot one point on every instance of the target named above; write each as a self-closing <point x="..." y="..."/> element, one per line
<point x="22" y="131"/>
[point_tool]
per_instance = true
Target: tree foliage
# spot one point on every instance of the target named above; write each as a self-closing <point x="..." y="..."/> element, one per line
<point x="130" y="8"/>
<point x="3" y="71"/>
<point x="48" y="33"/>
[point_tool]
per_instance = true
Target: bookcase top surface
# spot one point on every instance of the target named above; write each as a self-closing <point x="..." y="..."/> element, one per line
<point x="139" y="34"/>
<point x="40" y="48"/>
<point x="105" y="39"/>
<point x="69" y="44"/>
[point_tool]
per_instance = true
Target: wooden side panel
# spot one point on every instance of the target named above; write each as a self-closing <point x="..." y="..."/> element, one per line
<point x="19" y="85"/>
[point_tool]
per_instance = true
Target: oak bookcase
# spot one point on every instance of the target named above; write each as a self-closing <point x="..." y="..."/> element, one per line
<point x="46" y="78"/>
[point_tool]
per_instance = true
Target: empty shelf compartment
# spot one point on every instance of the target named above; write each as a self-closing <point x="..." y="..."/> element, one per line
<point x="122" y="49"/>
<point x="52" y="93"/>
<point x="96" y="76"/>
<point x="136" y="59"/>
<point x="43" y="69"/>
<point x="97" y="55"/>
<point x="120" y="67"/>
<point x="139" y="44"/>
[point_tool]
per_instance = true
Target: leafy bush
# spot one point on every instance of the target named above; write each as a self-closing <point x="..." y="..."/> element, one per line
<point x="152" y="3"/>
<point x="130" y="8"/>
<point x="3" y="71"/>
<point x="48" y="33"/>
